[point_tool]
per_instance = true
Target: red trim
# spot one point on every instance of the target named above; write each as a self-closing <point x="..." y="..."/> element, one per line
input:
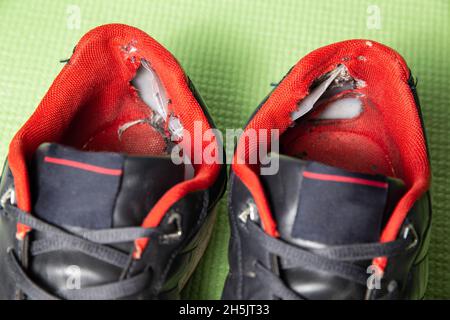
<point x="83" y="166"/>
<point x="330" y="177"/>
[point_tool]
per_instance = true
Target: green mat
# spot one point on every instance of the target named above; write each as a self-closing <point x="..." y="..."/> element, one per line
<point x="233" y="50"/>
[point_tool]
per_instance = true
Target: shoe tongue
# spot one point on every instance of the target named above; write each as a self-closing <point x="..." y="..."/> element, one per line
<point x="98" y="190"/>
<point x="313" y="203"/>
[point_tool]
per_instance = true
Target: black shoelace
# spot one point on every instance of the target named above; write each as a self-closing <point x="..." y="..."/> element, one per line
<point x="336" y="260"/>
<point x="94" y="243"/>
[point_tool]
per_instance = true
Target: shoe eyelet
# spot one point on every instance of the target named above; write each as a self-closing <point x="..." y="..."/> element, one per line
<point x="410" y="230"/>
<point x="175" y="218"/>
<point x="8" y="196"/>
<point x="248" y="212"/>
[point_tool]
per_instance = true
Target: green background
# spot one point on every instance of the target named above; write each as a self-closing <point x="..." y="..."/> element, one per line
<point x="233" y="50"/>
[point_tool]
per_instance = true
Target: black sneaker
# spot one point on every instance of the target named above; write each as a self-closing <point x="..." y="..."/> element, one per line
<point x="344" y="212"/>
<point x="94" y="204"/>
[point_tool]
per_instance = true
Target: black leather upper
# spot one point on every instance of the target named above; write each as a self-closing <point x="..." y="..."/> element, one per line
<point x="409" y="271"/>
<point x="7" y="240"/>
<point x="170" y="260"/>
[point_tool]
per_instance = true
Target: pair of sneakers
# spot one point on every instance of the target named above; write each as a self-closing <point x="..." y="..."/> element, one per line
<point x="110" y="188"/>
